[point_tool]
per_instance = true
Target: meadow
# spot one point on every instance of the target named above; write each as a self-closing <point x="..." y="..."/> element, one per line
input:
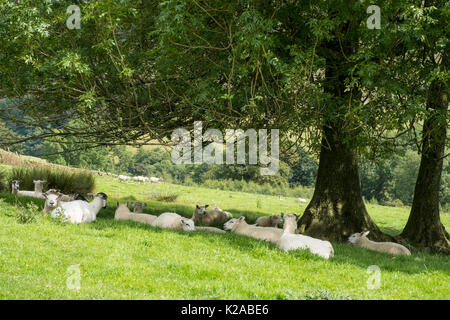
<point x="127" y="260"/>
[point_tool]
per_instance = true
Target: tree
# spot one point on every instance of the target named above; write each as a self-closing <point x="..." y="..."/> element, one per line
<point x="137" y="70"/>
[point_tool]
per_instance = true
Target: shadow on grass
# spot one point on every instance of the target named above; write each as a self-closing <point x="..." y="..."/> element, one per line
<point x="344" y="254"/>
<point x="416" y="263"/>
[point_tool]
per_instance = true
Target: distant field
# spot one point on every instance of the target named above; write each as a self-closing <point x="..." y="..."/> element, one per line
<point x="126" y="260"/>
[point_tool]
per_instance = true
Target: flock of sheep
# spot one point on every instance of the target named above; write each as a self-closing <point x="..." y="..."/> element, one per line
<point x="139" y="179"/>
<point x="77" y="209"/>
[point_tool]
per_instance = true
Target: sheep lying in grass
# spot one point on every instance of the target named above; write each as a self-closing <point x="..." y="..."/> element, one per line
<point x="361" y="240"/>
<point x="138" y="207"/>
<point x="80" y="211"/>
<point x="123" y="213"/>
<point x="210" y="229"/>
<point x="170" y="220"/>
<point x="209" y="217"/>
<point x="268" y="221"/>
<point x="239" y="226"/>
<point x="300" y="200"/>
<point x="38" y="185"/>
<point x="291" y="241"/>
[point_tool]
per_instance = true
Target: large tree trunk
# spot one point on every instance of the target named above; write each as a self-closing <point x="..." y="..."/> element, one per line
<point x="424" y="228"/>
<point x="337" y="209"/>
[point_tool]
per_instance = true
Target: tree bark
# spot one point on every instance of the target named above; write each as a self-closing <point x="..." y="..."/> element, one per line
<point x="337" y="209"/>
<point x="424" y="228"/>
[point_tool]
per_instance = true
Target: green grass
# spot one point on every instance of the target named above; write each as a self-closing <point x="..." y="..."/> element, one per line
<point x="127" y="260"/>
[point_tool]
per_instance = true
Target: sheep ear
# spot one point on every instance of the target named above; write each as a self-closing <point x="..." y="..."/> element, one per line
<point x="242" y="218"/>
<point x="206" y="206"/>
<point x="364" y="233"/>
<point x="44" y="195"/>
<point x="197" y="206"/>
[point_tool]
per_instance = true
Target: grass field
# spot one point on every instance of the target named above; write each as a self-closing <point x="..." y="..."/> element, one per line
<point x="126" y="260"/>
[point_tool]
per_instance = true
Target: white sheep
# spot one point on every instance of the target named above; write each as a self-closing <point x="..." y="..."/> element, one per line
<point x="171" y="220"/>
<point x="240" y="226"/>
<point x="268" y="221"/>
<point x="209" y="217"/>
<point x="39" y="186"/>
<point x="123" y="178"/>
<point x="80" y="211"/>
<point x="361" y="240"/>
<point x="210" y="229"/>
<point x="300" y="200"/>
<point x="291" y="241"/>
<point x="139" y="179"/>
<point x="123" y="213"/>
<point x="155" y="180"/>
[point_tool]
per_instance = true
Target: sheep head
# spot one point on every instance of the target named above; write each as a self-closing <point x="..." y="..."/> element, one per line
<point x="15" y="184"/>
<point x="52" y="199"/>
<point x="187" y="224"/>
<point x="102" y="196"/>
<point x="229" y="224"/>
<point x="355" y="238"/>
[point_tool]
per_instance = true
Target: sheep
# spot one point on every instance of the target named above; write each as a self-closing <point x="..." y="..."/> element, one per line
<point x="209" y="217"/>
<point x="211" y="229"/>
<point x="123" y="213"/>
<point x="39" y="186"/>
<point x="291" y="241"/>
<point x="170" y="220"/>
<point x="300" y="200"/>
<point x="15" y="185"/>
<point x="240" y="226"/>
<point x="139" y="179"/>
<point x="123" y="178"/>
<point x="138" y="207"/>
<point x="155" y="180"/>
<point x="79" y="211"/>
<point x="361" y="240"/>
<point x="52" y="201"/>
<point x="268" y="221"/>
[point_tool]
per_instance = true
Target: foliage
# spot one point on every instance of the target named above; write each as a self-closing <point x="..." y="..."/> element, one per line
<point x="27" y="213"/>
